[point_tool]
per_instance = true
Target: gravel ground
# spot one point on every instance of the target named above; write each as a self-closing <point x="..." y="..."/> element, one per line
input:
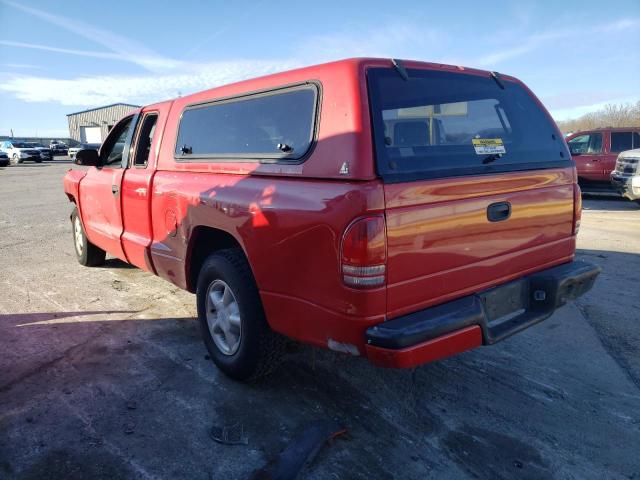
<point x="103" y="375"/>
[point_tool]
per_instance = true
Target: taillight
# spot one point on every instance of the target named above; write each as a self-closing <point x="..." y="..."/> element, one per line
<point x="364" y="253"/>
<point x="577" y="208"/>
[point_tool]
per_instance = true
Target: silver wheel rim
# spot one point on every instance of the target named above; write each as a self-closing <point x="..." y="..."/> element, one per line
<point x="223" y="317"/>
<point x="77" y="235"/>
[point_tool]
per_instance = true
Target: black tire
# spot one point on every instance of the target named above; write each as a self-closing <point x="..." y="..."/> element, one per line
<point x="88" y="254"/>
<point x="39" y="161"/>
<point x="260" y="349"/>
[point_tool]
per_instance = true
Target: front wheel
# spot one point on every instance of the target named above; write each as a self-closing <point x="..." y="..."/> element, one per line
<point x="15" y="160"/>
<point x="232" y="320"/>
<point x="86" y="252"/>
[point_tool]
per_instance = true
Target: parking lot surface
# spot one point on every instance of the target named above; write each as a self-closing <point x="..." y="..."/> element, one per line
<point x="103" y="375"/>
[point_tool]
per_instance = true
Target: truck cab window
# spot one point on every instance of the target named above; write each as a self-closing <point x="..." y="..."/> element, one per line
<point x="145" y="139"/>
<point x="113" y="148"/>
<point x="586" y="144"/>
<point x="621" y="141"/>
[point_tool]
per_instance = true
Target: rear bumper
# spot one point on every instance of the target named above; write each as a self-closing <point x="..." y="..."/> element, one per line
<point x="481" y="319"/>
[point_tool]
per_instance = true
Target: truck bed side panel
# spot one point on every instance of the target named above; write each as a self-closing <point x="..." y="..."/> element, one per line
<point x="291" y="232"/>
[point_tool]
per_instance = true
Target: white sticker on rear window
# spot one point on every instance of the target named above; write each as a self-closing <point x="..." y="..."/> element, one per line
<point x="488" y="146"/>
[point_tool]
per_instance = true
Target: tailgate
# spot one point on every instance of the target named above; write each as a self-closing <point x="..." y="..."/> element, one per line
<point x="478" y="181"/>
<point x="442" y="245"/>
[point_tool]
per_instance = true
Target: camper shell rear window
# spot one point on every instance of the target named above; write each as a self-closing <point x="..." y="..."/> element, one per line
<point x="441" y="124"/>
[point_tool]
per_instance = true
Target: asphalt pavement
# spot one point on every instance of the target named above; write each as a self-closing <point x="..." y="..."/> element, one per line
<point x="103" y="375"/>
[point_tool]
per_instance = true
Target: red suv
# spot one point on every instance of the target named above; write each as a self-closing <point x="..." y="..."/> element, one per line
<point x="402" y="211"/>
<point x="595" y="151"/>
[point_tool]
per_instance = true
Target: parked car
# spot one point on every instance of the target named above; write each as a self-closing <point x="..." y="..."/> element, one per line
<point x="595" y="152"/>
<point x="353" y="205"/>
<point x="4" y="159"/>
<point x="58" y="148"/>
<point x="19" y="151"/>
<point x="83" y="146"/>
<point x="625" y="178"/>
<point x="45" y="153"/>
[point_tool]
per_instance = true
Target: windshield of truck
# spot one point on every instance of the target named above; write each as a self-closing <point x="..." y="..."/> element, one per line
<point x="441" y="124"/>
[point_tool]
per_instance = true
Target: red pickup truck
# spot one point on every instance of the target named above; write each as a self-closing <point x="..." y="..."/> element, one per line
<point x="398" y="210"/>
<point x="595" y="152"/>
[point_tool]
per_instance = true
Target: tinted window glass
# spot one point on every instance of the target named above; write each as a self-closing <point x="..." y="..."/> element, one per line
<point x="589" y="144"/>
<point x="446" y="124"/>
<point x="113" y="148"/>
<point x="144" y="140"/>
<point x="274" y="125"/>
<point x="621" y="141"/>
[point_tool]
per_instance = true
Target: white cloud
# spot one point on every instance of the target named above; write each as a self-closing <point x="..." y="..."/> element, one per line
<point x="139" y="89"/>
<point x="397" y="40"/>
<point x="125" y="48"/>
<point x="394" y="40"/>
<point x="619" y="25"/>
<point x="531" y="43"/>
<point x="20" y="65"/>
<point x="47" y="48"/>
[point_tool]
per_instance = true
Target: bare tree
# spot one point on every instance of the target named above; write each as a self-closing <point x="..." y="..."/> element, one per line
<point x="611" y="115"/>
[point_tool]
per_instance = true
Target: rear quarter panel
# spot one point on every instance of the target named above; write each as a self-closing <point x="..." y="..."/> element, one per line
<point x="289" y="229"/>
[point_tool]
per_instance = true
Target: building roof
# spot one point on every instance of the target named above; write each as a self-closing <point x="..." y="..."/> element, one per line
<point x="105" y="106"/>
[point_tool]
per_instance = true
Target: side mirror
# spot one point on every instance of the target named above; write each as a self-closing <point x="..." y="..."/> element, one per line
<point x="88" y="158"/>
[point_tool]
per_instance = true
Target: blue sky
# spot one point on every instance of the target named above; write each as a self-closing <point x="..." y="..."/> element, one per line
<point x="64" y="56"/>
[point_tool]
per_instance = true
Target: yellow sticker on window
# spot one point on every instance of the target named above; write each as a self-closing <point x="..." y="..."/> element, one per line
<point x="488" y="146"/>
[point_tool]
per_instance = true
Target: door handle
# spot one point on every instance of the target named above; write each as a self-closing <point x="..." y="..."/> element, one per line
<point x="115" y="189"/>
<point x="496" y="212"/>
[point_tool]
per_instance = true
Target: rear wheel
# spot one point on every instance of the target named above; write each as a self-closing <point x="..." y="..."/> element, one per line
<point x="86" y="252"/>
<point x="15" y="160"/>
<point x="232" y="320"/>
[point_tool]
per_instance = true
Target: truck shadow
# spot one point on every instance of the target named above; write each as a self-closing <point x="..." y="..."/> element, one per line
<point x="116" y="263"/>
<point x="142" y="379"/>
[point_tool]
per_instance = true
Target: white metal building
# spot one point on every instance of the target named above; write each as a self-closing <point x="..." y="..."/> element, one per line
<point x="92" y="126"/>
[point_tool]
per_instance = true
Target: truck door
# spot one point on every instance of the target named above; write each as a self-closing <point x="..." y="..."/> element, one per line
<point x="99" y="190"/>
<point x="136" y="188"/>
<point x="588" y="154"/>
